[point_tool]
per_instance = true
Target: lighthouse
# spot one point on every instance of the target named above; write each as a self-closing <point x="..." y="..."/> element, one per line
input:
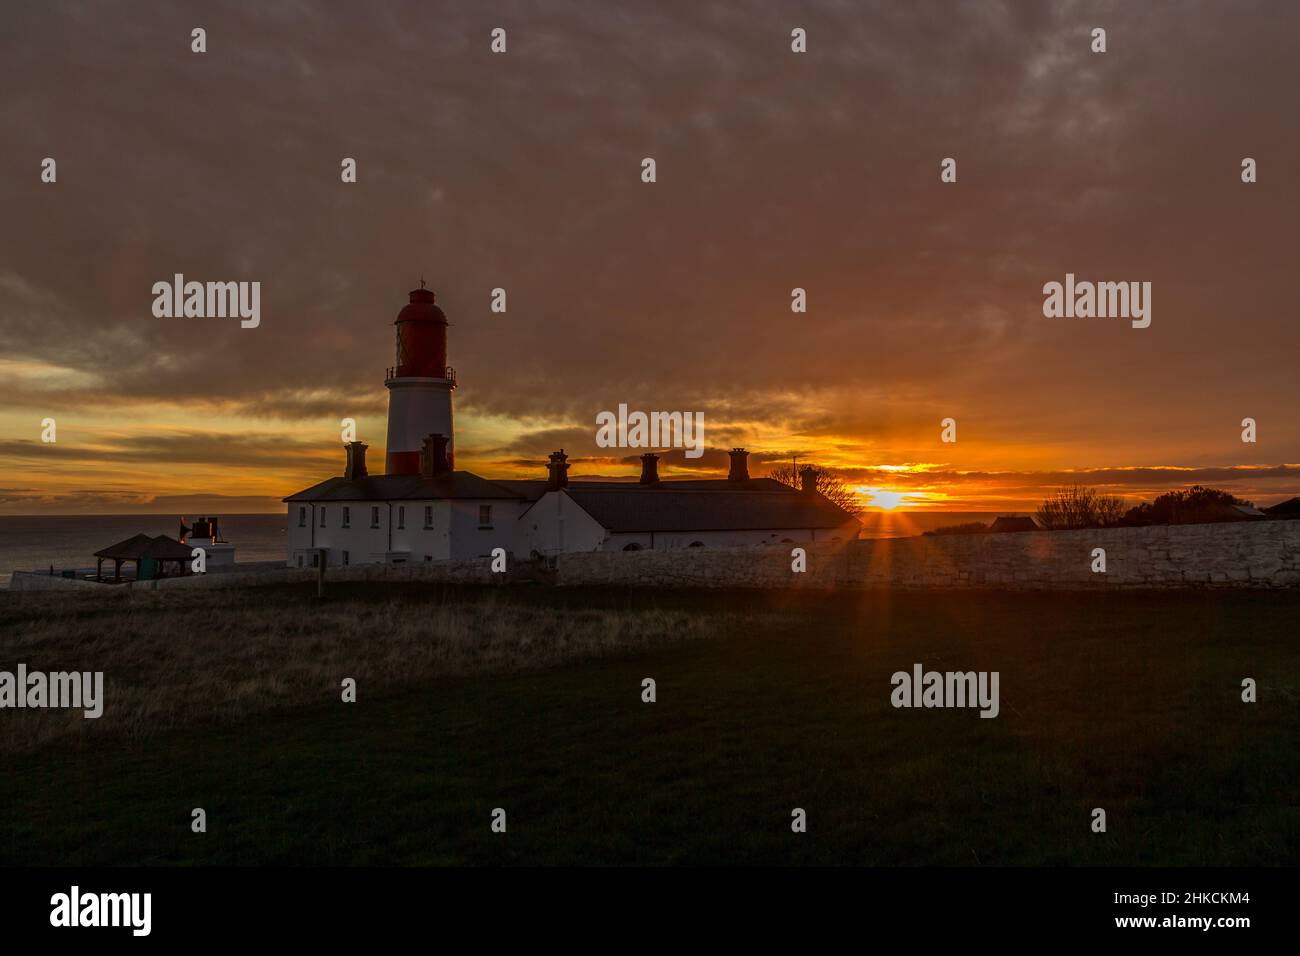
<point x="421" y="509"/>
<point x="419" y="385"/>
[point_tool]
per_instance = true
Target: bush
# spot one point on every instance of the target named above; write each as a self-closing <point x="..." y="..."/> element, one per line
<point x="1196" y="505"/>
<point x="1080" y="507"/>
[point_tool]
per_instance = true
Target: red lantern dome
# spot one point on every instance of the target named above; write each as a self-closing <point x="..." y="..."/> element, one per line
<point x="421" y="338"/>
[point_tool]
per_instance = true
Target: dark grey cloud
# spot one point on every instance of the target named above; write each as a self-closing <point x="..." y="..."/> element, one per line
<point x="217" y="449"/>
<point x="775" y="171"/>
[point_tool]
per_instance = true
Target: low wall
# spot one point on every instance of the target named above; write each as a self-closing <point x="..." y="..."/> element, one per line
<point x="265" y="573"/>
<point x="435" y="572"/>
<point x="41" y="581"/>
<point x="1263" y="554"/>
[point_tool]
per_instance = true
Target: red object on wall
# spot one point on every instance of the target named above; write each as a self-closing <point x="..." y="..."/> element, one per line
<point x="402" y="463"/>
<point x="421" y="338"/>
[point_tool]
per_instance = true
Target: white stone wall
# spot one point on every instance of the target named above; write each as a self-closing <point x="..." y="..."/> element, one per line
<point x="673" y="540"/>
<point x="555" y="523"/>
<point x="471" y="539"/>
<point x="1262" y="554"/>
<point x="454" y="534"/>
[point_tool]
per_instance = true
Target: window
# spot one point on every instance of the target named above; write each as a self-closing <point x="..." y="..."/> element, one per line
<point x="345" y="557"/>
<point x="632" y="546"/>
<point x="300" y="560"/>
<point x="428" y="557"/>
<point x="322" y="516"/>
<point x="347" y="517"/>
<point x="428" y="517"/>
<point x="315" y="559"/>
<point x="485" y="516"/>
<point x="401" y="516"/>
<point x="302" y="517"/>
<point x="374" y="516"/>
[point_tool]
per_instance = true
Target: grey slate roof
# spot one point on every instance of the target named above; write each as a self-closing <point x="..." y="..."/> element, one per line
<point x="454" y="484"/>
<point x="715" y="507"/>
<point x="1014" y="523"/>
<point x="529" y="489"/>
<point x="533" y="488"/>
<point x="620" y="506"/>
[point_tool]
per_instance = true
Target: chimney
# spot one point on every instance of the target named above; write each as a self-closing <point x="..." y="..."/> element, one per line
<point x="356" y="466"/>
<point x="557" y="471"/>
<point x="808" y="479"/>
<point x="739" y="465"/>
<point x="433" y="457"/>
<point x="649" y="469"/>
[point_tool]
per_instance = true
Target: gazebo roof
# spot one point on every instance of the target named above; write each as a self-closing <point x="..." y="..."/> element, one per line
<point x="127" y="550"/>
<point x="161" y="548"/>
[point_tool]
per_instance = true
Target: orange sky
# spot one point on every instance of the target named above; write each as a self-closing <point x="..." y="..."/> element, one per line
<point x="135" y="458"/>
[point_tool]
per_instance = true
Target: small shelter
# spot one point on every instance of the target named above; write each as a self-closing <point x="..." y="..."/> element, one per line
<point x="146" y="552"/>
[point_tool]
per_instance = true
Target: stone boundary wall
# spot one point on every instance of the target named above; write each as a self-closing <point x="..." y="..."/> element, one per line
<point x="434" y="572"/>
<point x="1257" y="554"/>
<point x="41" y="581"/>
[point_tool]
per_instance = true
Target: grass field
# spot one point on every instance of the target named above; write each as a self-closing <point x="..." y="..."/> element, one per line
<point x="529" y="699"/>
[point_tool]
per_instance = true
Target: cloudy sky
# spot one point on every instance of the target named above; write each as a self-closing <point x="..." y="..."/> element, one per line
<point x="776" y="170"/>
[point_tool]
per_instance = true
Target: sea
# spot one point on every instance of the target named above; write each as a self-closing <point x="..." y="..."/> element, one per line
<point x="35" y="542"/>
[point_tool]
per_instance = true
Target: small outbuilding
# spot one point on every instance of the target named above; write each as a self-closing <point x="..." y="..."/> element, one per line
<point x="1284" y="509"/>
<point x="1012" y="523"/>
<point x="147" y="554"/>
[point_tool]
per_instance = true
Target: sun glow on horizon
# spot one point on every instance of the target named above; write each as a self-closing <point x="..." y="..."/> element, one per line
<point x="882" y="498"/>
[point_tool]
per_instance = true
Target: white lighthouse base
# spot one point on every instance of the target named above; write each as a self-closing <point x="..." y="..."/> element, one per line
<point x="417" y="408"/>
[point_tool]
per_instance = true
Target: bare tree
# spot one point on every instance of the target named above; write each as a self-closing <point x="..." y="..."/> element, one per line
<point x="1080" y="507"/>
<point x="828" y="484"/>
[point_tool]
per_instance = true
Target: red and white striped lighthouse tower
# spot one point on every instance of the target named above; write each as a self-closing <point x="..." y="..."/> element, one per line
<point x="419" y="385"/>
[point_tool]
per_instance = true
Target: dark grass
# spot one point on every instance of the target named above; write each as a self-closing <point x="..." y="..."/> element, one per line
<point x="1129" y="702"/>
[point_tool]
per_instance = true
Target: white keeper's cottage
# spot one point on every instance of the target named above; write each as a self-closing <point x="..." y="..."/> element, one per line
<point x="422" y="509"/>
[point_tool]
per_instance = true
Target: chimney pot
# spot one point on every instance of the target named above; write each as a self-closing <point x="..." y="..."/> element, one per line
<point x="739" y="465"/>
<point x="649" y="469"/>
<point x="557" y="471"/>
<point x="808" y="479"/>
<point x="356" y="465"/>
<point x="433" y="457"/>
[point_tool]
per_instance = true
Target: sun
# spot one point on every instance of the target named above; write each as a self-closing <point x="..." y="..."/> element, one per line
<point x="881" y="498"/>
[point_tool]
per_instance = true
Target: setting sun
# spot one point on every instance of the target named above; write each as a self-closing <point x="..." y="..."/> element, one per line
<point x="880" y="498"/>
